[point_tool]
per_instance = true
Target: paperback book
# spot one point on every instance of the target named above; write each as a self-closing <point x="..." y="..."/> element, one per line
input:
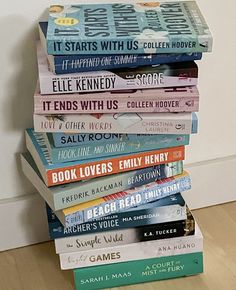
<point x="67" y="140"/>
<point x="123" y="123"/>
<point x="178" y="99"/>
<point x="168" y="209"/>
<point x="126" y="236"/>
<point x="133" y="252"/>
<point x="60" y="173"/>
<point x="70" y="194"/>
<point x="146" y="77"/>
<point x="146" y="143"/>
<point x="124" y="200"/>
<point x="154" y="27"/>
<point x="172" y="206"/>
<point x="63" y="64"/>
<point x="127" y="273"/>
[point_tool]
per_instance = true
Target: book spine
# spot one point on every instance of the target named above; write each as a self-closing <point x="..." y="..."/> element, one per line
<point x="125" y="236"/>
<point x="62" y="173"/>
<point x="122" y="201"/>
<point x="93" y="151"/>
<point x="126" y="123"/>
<point x="88" y="170"/>
<point x="112" y="81"/>
<point x="70" y="140"/>
<point x="128" y="273"/>
<point x="175" y="211"/>
<point x="122" y="220"/>
<point x="77" y="193"/>
<point x="174" y="45"/>
<point x="84" y="63"/>
<point x="132" y="252"/>
<point x="74" y="104"/>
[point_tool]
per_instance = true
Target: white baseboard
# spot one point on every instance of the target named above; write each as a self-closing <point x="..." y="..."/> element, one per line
<point x="23" y="220"/>
<point x="212" y="182"/>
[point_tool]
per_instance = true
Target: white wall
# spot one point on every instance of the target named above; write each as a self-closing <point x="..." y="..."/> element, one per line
<point x="18" y="32"/>
<point x="217" y="135"/>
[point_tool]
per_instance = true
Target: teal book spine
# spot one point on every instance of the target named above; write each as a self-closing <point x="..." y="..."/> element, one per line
<point x="128" y="273"/>
<point x="120" y="28"/>
<point x="67" y="172"/>
<point x="94" y="150"/>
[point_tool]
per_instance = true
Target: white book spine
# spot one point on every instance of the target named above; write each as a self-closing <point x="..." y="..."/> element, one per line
<point x="131" y="252"/>
<point x="127" y="123"/>
<point x="96" y="241"/>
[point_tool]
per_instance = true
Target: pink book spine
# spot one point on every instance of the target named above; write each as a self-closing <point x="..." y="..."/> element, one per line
<point x="73" y="105"/>
<point x="184" y="99"/>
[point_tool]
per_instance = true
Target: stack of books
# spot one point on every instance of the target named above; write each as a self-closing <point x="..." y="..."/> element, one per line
<point x="114" y="109"/>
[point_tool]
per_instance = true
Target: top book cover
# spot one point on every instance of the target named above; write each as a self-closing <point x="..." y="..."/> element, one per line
<point x="118" y="28"/>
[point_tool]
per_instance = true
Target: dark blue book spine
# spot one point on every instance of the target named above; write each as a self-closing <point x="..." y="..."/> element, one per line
<point x="84" y="63"/>
<point x="168" y="209"/>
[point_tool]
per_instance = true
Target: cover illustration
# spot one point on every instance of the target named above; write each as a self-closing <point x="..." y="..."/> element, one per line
<point x="118" y="28"/>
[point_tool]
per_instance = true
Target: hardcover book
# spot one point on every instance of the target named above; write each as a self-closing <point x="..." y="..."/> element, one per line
<point x="133" y="272"/>
<point x="126" y="236"/>
<point x="134" y="252"/>
<point x="63" y="64"/>
<point x="152" y="142"/>
<point x="122" y="201"/>
<point x="168" y="209"/>
<point x="182" y="99"/>
<point x="125" y="123"/>
<point x="146" y="77"/>
<point x="118" y="28"/>
<point x="60" y="173"/>
<point x="70" y="194"/>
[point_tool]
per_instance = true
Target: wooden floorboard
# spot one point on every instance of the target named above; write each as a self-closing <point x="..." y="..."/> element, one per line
<point x="37" y="267"/>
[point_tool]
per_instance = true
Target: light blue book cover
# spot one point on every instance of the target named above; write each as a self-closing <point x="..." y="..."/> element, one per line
<point x="71" y="140"/>
<point x="118" y="28"/>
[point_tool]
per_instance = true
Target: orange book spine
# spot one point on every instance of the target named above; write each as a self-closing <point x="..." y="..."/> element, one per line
<point x="114" y="165"/>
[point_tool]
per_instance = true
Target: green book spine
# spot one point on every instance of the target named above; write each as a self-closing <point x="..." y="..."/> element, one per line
<point x="127" y="273"/>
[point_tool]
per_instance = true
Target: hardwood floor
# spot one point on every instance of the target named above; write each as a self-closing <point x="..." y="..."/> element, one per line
<point x="37" y="267"/>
